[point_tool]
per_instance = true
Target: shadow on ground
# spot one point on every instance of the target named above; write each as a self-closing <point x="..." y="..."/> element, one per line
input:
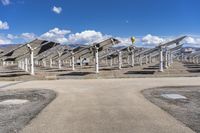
<point x="76" y="74"/>
<point x="108" y="69"/>
<point x="140" y="72"/>
<point x="194" y="71"/>
<point x="58" y="71"/>
<point x="13" y="75"/>
<point x="18" y="71"/>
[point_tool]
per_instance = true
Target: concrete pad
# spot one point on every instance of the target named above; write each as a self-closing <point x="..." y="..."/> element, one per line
<point x="173" y="96"/>
<point x="13" y="102"/>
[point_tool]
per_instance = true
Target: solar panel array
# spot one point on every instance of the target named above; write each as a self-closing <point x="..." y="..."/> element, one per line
<point x="47" y="52"/>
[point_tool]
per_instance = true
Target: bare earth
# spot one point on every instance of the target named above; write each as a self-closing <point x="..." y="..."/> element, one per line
<point x="185" y="109"/>
<point x="178" y="69"/>
<point x="15" y="114"/>
<point x="103" y="106"/>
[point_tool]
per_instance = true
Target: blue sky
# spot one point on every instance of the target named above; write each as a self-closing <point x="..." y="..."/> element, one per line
<point x="118" y="18"/>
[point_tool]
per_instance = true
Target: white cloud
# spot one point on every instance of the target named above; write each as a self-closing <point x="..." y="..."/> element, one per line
<point x="124" y="41"/>
<point x="23" y="36"/>
<point x="127" y="41"/>
<point x="10" y="36"/>
<point x="192" y="40"/>
<point x="86" y="37"/>
<point x="4" y="25"/>
<point x="90" y="36"/>
<point x="4" y="40"/>
<point x="5" y="2"/>
<point x="57" y="10"/>
<point x="28" y="36"/>
<point x="152" y="40"/>
<point x="156" y="40"/>
<point x="56" y="35"/>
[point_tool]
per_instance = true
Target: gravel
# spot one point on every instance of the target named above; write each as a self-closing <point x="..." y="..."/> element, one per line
<point x="186" y="110"/>
<point x="15" y="116"/>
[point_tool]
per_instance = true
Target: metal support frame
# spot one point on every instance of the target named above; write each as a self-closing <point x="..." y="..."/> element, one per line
<point x="119" y="59"/>
<point x="32" y="63"/>
<point x="166" y="59"/>
<point x="26" y="64"/>
<point x="128" y="59"/>
<point x="59" y="60"/>
<point x="23" y="65"/>
<point x="132" y="59"/>
<point x="31" y="59"/>
<point x="146" y="59"/>
<point x="44" y="63"/>
<point x="96" y="60"/>
<point x="50" y="62"/>
<point x="141" y="60"/>
<point x="169" y="58"/>
<point x="72" y="61"/>
<point x="149" y="60"/>
<point x="111" y="61"/>
<point x="161" y="60"/>
<point x="197" y="60"/>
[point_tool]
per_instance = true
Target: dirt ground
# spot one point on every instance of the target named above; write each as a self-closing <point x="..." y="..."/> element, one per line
<point x="103" y="106"/>
<point x="185" y="110"/>
<point x="12" y="73"/>
<point x="14" y="117"/>
<point x="110" y="103"/>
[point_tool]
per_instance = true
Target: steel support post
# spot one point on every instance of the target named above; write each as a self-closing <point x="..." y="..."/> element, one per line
<point x="73" y="68"/>
<point x="26" y="64"/>
<point x="132" y="59"/>
<point x="32" y="63"/>
<point x="120" y="59"/>
<point x="166" y="59"/>
<point x="161" y="60"/>
<point x="96" y="60"/>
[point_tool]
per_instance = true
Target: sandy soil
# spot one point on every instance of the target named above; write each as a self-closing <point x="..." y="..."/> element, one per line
<point x="15" y="114"/>
<point x="185" y="110"/>
<point x="12" y="73"/>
